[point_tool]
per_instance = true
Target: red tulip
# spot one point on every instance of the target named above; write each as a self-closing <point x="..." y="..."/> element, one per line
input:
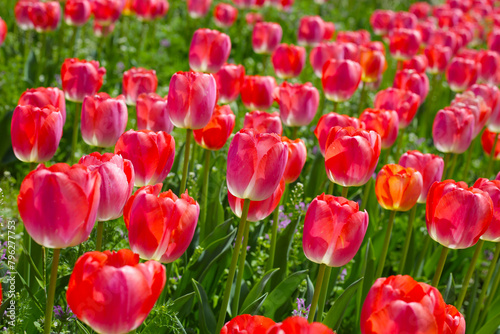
<point x="104" y="119"/>
<point x="247" y="323"/>
<point x="198" y="8"/>
<point x="453" y="129"/>
<point x="215" y="134"/>
<point x="229" y="80"/>
<point x="323" y="52"/>
<point x="418" y="63"/>
<point x="448" y="18"/>
<point x="21" y="13"/>
<point x="403" y="20"/>
<point x="351" y="155"/>
<point x="456" y="215"/>
<point x="248" y="4"/>
<point x="100" y="294"/>
<point x="71" y="193"/>
<point x="282" y="5"/>
<point x="209" y="50"/>
<point x="329" y="31"/>
<point x="488" y="63"/>
<point x="266" y="36"/>
<point x="137" y="81"/>
<point x="36" y="132"/>
<point x="298" y="103"/>
<point x="3" y="35"/>
<point x="311" y="30"/>
<point x="299" y="325"/>
<point x="445" y="38"/>
<point x="77" y="12"/>
<point x="288" y="60"/>
<point x="255" y="164"/>
<point x="225" y="15"/>
<point x="494" y="40"/>
<point x="399" y="304"/>
<point x="381" y="20"/>
<point x="81" y="78"/>
<point x="491" y="96"/>
<point x="150" y="9"/>
<point x="404" y="43"/>
<point x="384" y="122"/>
<point x="359" y="37"/>
<point x="372" y="64"/>
<point x="331" y="120"/>
<point x="257" y="91"/>
<point x="461" y="74"/>
<point x="297" y="155"/>
<point x="103" y="31"/>
<point x="117" y="175"/>
<point x="404" y="102"/>
<point x="438" y="57"/>
<point x="253" y="18"/>
<point x="106" y="12"/>
<point x="151" y="153"/>
<point x="487" y="141"/>
<point x="492" y="188"/>
<point x="45" y="16"/>
<point x="191" y="99"/>
<point x="340" y="79"/>
<point x="430" y="166"/>
<point x="41" y="97"/>
<point x="152" y="113"/>
<point x="350" y="51"/>
<point x="426" y="30"/>
<point x="413" y="81"/>
<point x="476" y="106"/>
<point x="420" y="9"/>
<point x="454" y="323"/>
<point x="263" y="122"/>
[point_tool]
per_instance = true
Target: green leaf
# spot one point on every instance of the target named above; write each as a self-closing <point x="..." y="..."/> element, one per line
<point x="82" y="327"/>
<point x="5" y="143"/>
<point x="449" y="292"/>
<point x="207" y="318"/>
<point x="491" y="326"/>
<point x="336" y="313"/>
<point x="254" y="307"/>
<point x="219" y="232"/>
<point x="257" y="289"/>
<point x="310" y="291"/>
<point x="30" y="68"/>
<point x="279" y="296"/>
<point x="283" y="245"/>
<point x="179" y="303"/>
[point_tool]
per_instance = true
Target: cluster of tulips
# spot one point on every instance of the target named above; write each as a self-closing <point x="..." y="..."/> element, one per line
<point x="114" y="291"/>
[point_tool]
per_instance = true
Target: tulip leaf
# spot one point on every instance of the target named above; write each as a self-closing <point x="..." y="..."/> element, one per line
<point x="282" y="293"/>
<point x="257" y="289"/>
<point x="336" y="313"/>
<point x="207" y="318"/>
<point x="179" y="303"/>
<point x="82" y="327"/>
<point x="368" y="273"/>
<point x="491" y="326"/>
<point x="254" y="307"/>
<point x="310" y="291"/>
<point x="219" y="232"/>
<point x="5" y="143"/>
<point x="316" y="176"/>
<point x="30" y="69"/>
<point x="449" y="292"/>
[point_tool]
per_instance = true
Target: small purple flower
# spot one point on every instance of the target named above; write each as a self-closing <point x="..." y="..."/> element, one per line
<point x="120" y="66"/>
<point x="165" y="43"/>
<point x="301" y="309"/>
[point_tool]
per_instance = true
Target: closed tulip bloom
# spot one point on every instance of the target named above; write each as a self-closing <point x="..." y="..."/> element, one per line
<point x="41" y="97"/>
<point x="454" y="323"/>
<point x="252" y="18"/>
<point x="487" y="141"/>
<point x="359" y="37"/>
<point x="225" y="15"/>
<point x="331" y="120"/>
<point x="229" y="80"/>
<point x="216" y="133"/>
<point x="476" y="106"/>
<point x="255" y="164"/>
<point x="453" y="129"/>
<point x="417" y="63"/>
<point x="191" y="99"/>
<point x="299" y="325"/>
<point x="311" y="30"/>
<point x="420" y="9"/>
<point x="198" y="8"/>
<point x="209" y="50"/>
<point x="117" y="182"/>
<point x="412" y="81"/>
<point x="334" y="229"/>
<point x="445" y="38"/>
<point x="372" y="64"/>
<point x="288" y="60"/>
<point x="456" y="215"/>
<point x="404" y="20"/>
<point x="491" y="96"/>
<point x="36" y="132"/>
<point x="106" y="12"/>
<point x="3" y="34"/>
<point x="263" y="122"/>
<point x="81" y="78"/>
<point x="340" y="79"/>
<point x="381" y="20"/>
<point x="493" y="189"/>
<point x="351" y="155"/>
<point x="494" y="40"/>
<point x="488" y="67"/>
<point x="461" y="74"/>
<point x="282" y="5"/>
<point x="430" y="166"/>
<point x="405" y="103"/>
<point x="298" y="103"/>
<point x="137" y="81"/>
<point x="329" y="31"/>
<point x="77" y="12"/>
<point x="297" y="155"/>
<point x="266" y="36"/>
<point x="384" y="122"/>
<point x="350" y="51"/>
<point x="72" y="194"/>
<point x="438" y="57"/>
<point x="426" y="30"/>
<point x="247" y="323"/>
<point x="150" y="9"/>
<point x="111" y="274"/>
<point x="404" y="43"/>
<point x="152" y="113"/>
<point x="399" y="304"/>
<point x="257" y="91"/>
<point x="21" y="13"/>
<point x="45" y="16"/>
<point x="151" y="153"/>
<point x="103" y="30"/>
<point x="323" y="52"/>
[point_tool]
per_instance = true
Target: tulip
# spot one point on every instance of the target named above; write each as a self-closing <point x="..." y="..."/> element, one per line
<point x="298" y="103"/>
<point x="152" y="113"/>
<point x="215" y="134"/>
<point x="41" y="97"/>
<point x="492" y="188"/>
<point x="476" y="106"/>
<point x="461" y="74"/>
<point x="491" y="96"/>
<point x="372" y="64"/>
<point x="494" y="40"/>
<point x="45" y="16"/>
<point x="36" y="132"/>
<point x="297" y="155"/>
<point x="198" y="8"/>
<point x="151" y="153"/>
<point x="403" y="20"/>
<point x="349" y="51"/>
<point x="257" y="91"/>
<point x="420" y="9"/>
<point x="351" y="155"/>
<point x="300" y="325"/>
<point x="418" y="63"/>
<point x="453" y="129"/>
<point x="359" y="37"/>
<point x="404" y="43"/>
<point x="438" y="57"/>
<point x="384" y="122"/>
<point x="311" y="30"/>
<point x="104" y="119"/>
<point x="491" y="145"/>
<point x="21" y="13"/>
<point x="340" y="79"/>
<point x="3" y="34"/>
<point x="321" y="53"/>
<point x="426" y="30"/>
<point x="209" y="50"/>
<point x="225" y="15"/>
<point x="412" y="81"/>
<point x="282" y="5"/>
<point x="488" y="67"/>
<point x="399" y="304"/>
<point x="405" y="103"/>
<point x="331" y="120"/>
<point x="110" y="274"/>
<point x="81" y="78"/>
<point x="253" y="18"/>
<point x="229" y="80"/>
<point x="454" y="323"/>
<point x="329" y="31"/>
<point x="263" y="122"/>
<point x="445" y="38"/>
<point x="247" y="323"/>
<point x="381" y="20"/>
<point x="103" y="30"/>
<point x="137" y="81"/>
<point x="77" y="12"/>
<point x="150" y="9"/>
<point x="288" y="60"/>
<point x="106" y="12"/>
<point x="266" y="36"/>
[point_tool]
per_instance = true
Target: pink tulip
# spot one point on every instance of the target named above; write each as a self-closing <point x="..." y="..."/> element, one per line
<point x="81" y="78"/>
<point x="152" y="113"/>
<point x="461" y="74"/>
<point x="340" y="79"/>
<point x="492" y="188"/>
<point x="209" y="50"/>
<point x="331" y="120"/>
<point x="453" y="129"/>
<point x="298" y="103"/>
<point x="288" y="60"/>
<point x="77" y="12"/>
<point x="225" y="15"/>
<point x="404" y="43"/>
<point x="489" y="67"/>
<point x="412" y="81"/>
<point x="297" y="155"/>
<point x="311" y="30"/>
<point x="266" y="37"/>
<point x="323" y="52"/>
<point x="383" y="122"/>
<point x="40" y="97"/>
<point x="257" y="91"/>
<point x="263" y="122"/>
<point x="381" y="20"/>
<point x="404" y="102"/>
<point x="198" y="8"/>
<point x="476" y="105"/>
<point x="137" y="81"/>
<point x="229" y="80"/>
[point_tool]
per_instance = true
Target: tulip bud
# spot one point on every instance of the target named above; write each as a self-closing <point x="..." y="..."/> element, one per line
<point x="383" y="122"/>
<point x="491" y="96"/>
<point x="404" y="43"/>
<point x="41" y="97"/>
<point x="148" y="10"/>
<point x="453" y="129"/>
<point x="323" y="52"/>
<point x="21" y="13"/>
<point x="454" y="323"/>
<point x="266" y="36"/>
<point x="476" y="105"/>
<point x="438" y="57"/>
<point x="488" y="67"/>
<point x="372" y="64"/>
<point x="81" y="78"/>
<point x="403" y="20"/>
<point x="329" y="31"/>
<point x="244" y="322"/>
<point x="299" y="324"/>
<point x="297" y="155"/>
<point x="487" y="142"/>
<point x="420" y="9"/>
<point x="45" y="16"/>
<point x="77" y="12"/>
<point x="461" y="74"/>
<point x="418" y="63"/>
<point x="225" y="15"/>
<point x="331" y="120"/>
<point x="137" y="81"/>
<point x="412" y="81"/>
<point x="198" y="8"/>
<point x="298" y="103"/>
<point x="229" y="80"/>
<point x="106" y="12"/>
<point x="209" y="50"/>
<point x="257" y="91"/>
<point x="288" y="60"/>
<point x="263" y="122"/>
<point x="215" y="134"/>
<point x="492" y="188"/>
<point x="152" y="113"/>
<point x="381" y="20"/>
<point x="404" y="102"/>
<point x="426" y="30"/>
<point x="340" y="79"/>
<point x="311" y="30"/>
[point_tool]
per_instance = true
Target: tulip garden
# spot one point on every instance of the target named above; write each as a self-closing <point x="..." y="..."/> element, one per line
<point x="250" y="166"/>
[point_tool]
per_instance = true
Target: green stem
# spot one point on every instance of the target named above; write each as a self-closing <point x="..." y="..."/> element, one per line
<point x="335" y="107"/>
<point x="451" y="171"/>
<point x="362" y="98"/>
<point x="492" y="157"/>
<point x="317" y="290"/>
<point x="470" y="271"/>
<point x="76" y="127"/>
<point x="385" y="248"/>
<point x="274" y="235"/>
<point x="142" y="40"/>
<point x="422" y="255"/>
<point x="51" y="292"/>
<point x="72" y="42"/>
<point x="324" y="293"/>
<point x="330" y="188"/>
<point x="187" y="147"/>
<point x="43" y="51"/>
<point x="232" y="267"/>
<point x="467" y="162"/>
<point x="98" y="243"/>
<point x="294" y="132"/>
<point x="446" y="163"/>
<point x="440" y="266"/>
<point x="345" y="190"/>
<point x="406" y="246"/>
<point x="204" y="195"/>
<point x="492" y="295"/>
<point x="241" y="269"/>
<point x="399" y="144"/>
<point x="366" y="194"/>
